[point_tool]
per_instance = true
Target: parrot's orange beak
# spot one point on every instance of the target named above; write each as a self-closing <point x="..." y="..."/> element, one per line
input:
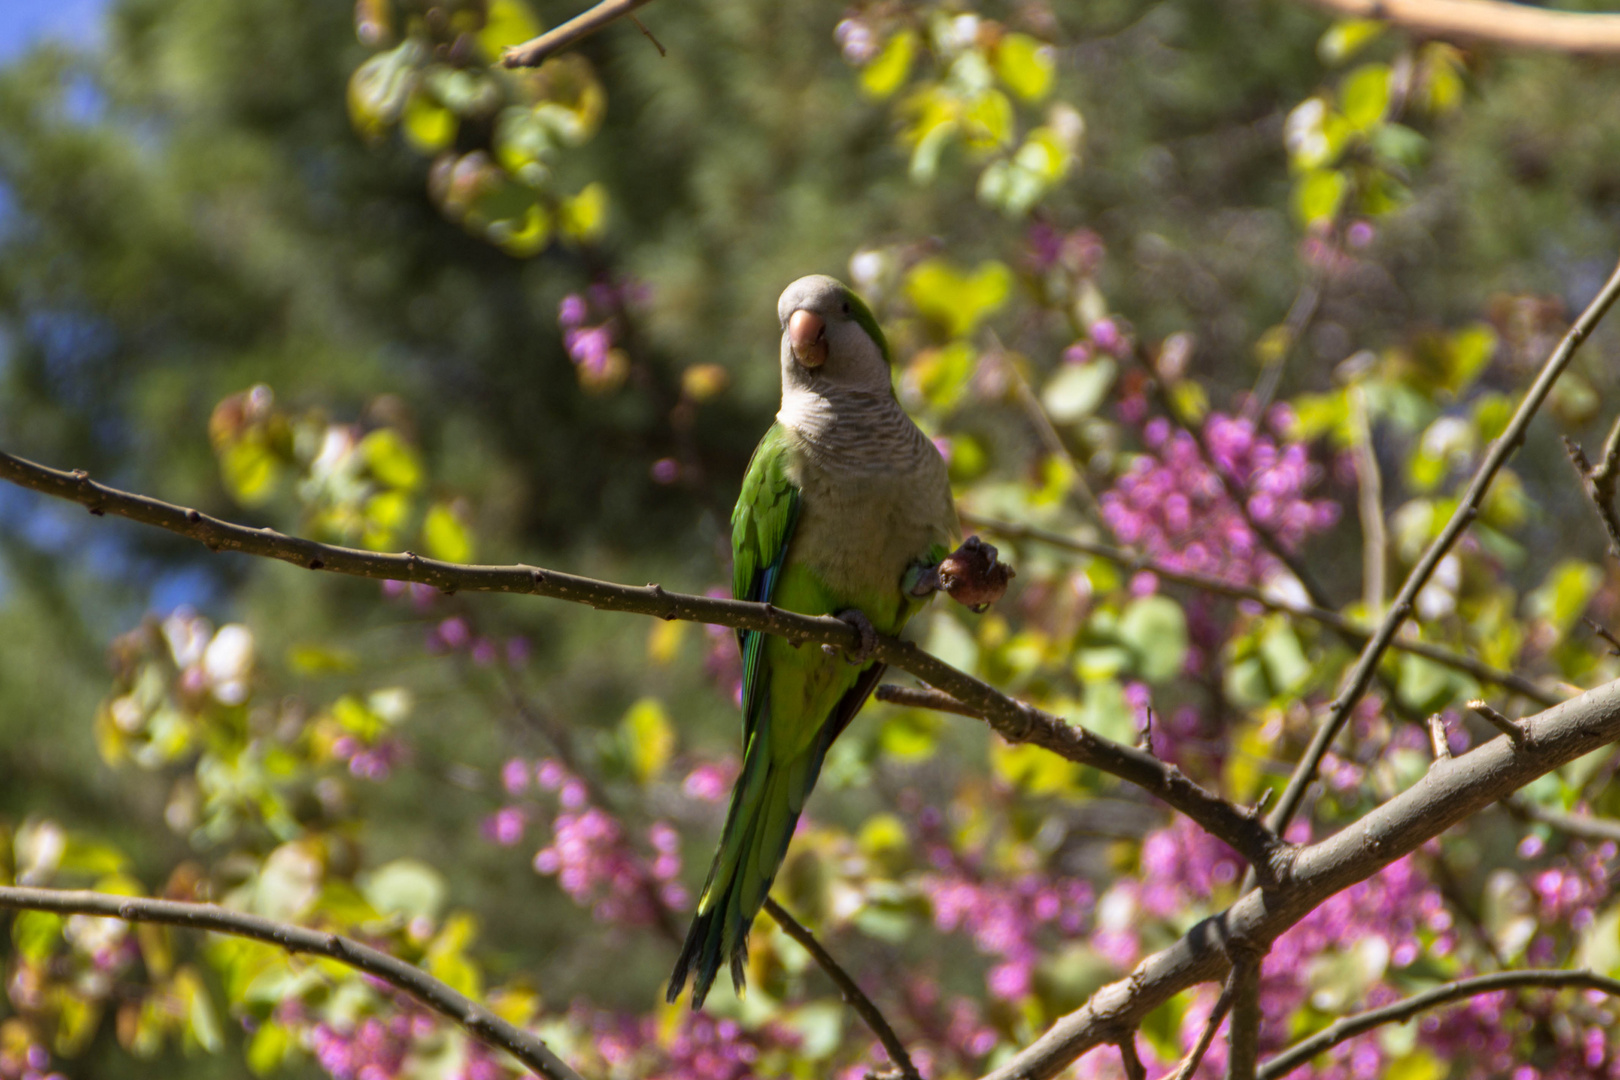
<point x="807" y="335"/>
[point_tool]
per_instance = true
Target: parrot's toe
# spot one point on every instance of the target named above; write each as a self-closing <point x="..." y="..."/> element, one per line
<point x="863" y="626"/>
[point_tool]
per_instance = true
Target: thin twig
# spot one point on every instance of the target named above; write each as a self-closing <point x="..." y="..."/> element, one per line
<point x="1405" y="1009"/>
<point x="1243" y="1036"/>
<point x="1467" y="508"/>
<point x="1340" y="625"/>
<point x="1517" y="25"/>
<point x="1497" y="720"/>
<point x="1370" y="505"/>
<point x="1300" y="313"/>
<point x="1013" y="720"/>
<point x="921" y="697"/>
<point x="530" y="53"/>
<point x="1130" y="1059"/>
<point x="1601" y="481"/>
<point x="1581" y="826"/>
<point x="1438" y="739"/>
<point x="848" y="987"/>
<point x="480" y="1022"/>
<point x="1604" y="633"/>
<point x="1206" y="1037"/>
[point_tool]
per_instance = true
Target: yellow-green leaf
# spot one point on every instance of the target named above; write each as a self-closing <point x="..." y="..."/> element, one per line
<point x="1347" y="37"/>
<point x="391" y="459"/>
<point x="956" y="300"/>
<point x="584" y="217"/>
<point x="888" y="70"/>
<point x="507" y="22"/>
<point x="1025" y="66"/>
<point x="428" y="126"/>
<point x="445" y="536"/>
<point x="1364" y="97"/>
<point x="1318" y="195"/>
<point x="649" y="736"/>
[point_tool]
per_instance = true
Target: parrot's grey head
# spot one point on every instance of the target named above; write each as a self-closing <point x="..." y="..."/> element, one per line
<point x="830" y="340"/>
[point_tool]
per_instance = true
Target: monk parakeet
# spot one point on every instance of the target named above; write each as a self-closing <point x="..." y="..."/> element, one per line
<point x="845" y="506"/>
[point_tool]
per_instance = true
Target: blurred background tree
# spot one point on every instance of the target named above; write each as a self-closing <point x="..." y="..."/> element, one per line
<point x="263" y="259"/>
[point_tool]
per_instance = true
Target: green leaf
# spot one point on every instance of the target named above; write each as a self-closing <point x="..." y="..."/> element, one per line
<point x="447" y="958"/>
<point x="390" y="459"/>
<point x="1418" y="1065"/>
<point x="1563" y="597"/>
<point x="1032" y="769"/>
<point x="1156" y="630"/>
<point x="444" y="536"/>
<point x="1025" y="66"/>
<point x="36" y="934"/>
<point x="407" y="887"/>
<point x="268" y="1048"/>
<point x="1364" y="95"/>
<point x="650" y="737"/>
<point x="1318" y="195"/>
<point x="507" y="22"/>
<point x="954" y="299"/>
<point x="1347" y="37"/>
<point x="1286" y="665"/>
<point x="909" y="735"/>
<point x="428" y="126"/>
<point x="249" y="470"/>
<point x="584" y="217"/>
<point x="888" y="70"/>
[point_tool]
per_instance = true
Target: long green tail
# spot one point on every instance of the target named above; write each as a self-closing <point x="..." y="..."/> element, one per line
<point x="764" y="810"/>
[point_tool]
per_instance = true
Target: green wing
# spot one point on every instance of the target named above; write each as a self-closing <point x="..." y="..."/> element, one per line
<point x="761" y="530"/>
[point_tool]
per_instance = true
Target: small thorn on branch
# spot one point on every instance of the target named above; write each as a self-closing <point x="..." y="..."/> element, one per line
<point x="649" y="35"/>
<point x="1259" y="807"/>
<point x="1438" y="738"/>
<point x="1145" y="732"/>
<point x="1499" y="722"/>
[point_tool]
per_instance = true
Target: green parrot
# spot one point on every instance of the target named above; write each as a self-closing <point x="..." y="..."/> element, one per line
<point x="845" y="506"/>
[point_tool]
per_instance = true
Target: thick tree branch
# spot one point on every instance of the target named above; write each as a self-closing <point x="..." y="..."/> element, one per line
<point x="1014" y="720"/>
<point x="1467" y="508"/>
<point x="479" y="1022"/>
<point x="1405" y="1009"/>
<point x="532" y="52"/>
<point x="1452" y="791"/>
<point x="1340" y="625"/>
<point x="1518" y="25"/>
<point x="1243" y="1036"/>
<point x="853" y="995"/>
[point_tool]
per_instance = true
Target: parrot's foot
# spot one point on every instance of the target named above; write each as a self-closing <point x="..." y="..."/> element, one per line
<point x="863" y="626"/>
<point x="970" y="575"/>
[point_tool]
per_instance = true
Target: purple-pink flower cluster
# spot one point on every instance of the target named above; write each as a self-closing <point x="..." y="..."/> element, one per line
<point x="1004" y="916"/>
<point x="589" y="850"/>
<point x="1173" y="506"/>
<point x="591" y="329"/>
<point x="27" y="1063"/>
<point x="699" y="1048"/>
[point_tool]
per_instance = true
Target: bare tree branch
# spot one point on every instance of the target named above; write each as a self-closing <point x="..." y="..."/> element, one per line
<point x="1244" y="1034"/>
<point x="1370" y="505"/>
<point x="479" y="1022"/>
<point x="1497" y="720"/>
<point x="1601" y="480"/>
<point x="532" y="52"/>
<point x="1450" y="792"/>
<point x="848" y="987"/>
<point x="1581" y="826"/>
<point x="1206" y="1035"/>
<point x="1130" y="1060"/>
<point x="1495" y="21"/>
<point x="1013" y="720"/>
<point x="1405" y="1009"/>
<point x="1340" y="625"/>
<point x="1467" y="508"/>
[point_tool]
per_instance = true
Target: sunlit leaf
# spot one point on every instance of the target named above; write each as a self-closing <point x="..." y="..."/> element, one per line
<point x="889" y="69"/>
<point x="650" y="737"/>
<point x="1156" y="630"/>
<point x="506" y="22"/>
<point x="445" y="536"/>
<point x="428" y="126"/>
<point x="1078" y="389"/>
<point x="584" y="216"/>
<point x="407" y="887"/>
<point x="1364" y="95"/>
<point x="1347" y="37"/>
<point x="1318" y="195"/>
<point x="958" y="300"/>
<point x="1024" y="65"/>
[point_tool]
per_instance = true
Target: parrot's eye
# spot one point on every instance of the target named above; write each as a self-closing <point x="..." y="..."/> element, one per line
<point x="846" y="307"/>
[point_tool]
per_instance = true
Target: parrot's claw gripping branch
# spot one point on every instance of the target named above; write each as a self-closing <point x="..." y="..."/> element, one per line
<point x="970" y="575"/>
<point x="863" y="627"/>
